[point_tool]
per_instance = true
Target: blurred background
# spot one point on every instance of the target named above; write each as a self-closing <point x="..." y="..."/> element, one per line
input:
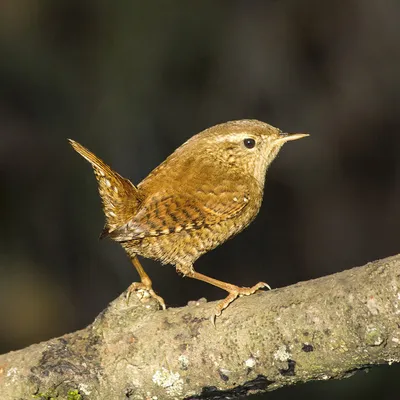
<point x="132" y="81"/>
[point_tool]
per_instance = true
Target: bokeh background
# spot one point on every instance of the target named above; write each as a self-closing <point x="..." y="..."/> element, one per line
<point x="132" y="80"/>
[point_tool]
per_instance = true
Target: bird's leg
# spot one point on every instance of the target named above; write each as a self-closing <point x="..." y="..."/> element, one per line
<point x="144" y="284"/>
<point x="233" y="290"/>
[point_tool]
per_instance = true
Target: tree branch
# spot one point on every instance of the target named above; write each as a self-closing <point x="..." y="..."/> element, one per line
<point x="316" y="330"/>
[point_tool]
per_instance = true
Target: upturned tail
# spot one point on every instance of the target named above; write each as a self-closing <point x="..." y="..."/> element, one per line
<point x="120" y="197"/>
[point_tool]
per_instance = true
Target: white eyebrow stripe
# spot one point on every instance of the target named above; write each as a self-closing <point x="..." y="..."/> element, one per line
<point x="235" y="136"/>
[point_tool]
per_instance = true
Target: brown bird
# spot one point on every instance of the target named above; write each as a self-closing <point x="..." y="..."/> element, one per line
<point x="207" y="191"/>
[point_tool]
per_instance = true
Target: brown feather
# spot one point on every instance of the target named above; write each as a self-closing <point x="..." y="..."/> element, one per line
<point x="120" y="197"/>
<point x="162" y="214"/>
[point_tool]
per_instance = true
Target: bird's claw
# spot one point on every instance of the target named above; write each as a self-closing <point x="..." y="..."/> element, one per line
<point x="143" y="290"/>
<point x="233" y="295"/>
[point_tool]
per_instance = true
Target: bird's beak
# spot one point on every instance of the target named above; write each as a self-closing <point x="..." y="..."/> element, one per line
<point x="286" y="137"/>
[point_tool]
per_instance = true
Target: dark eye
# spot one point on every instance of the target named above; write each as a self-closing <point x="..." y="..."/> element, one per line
<point x="249" y="143"/>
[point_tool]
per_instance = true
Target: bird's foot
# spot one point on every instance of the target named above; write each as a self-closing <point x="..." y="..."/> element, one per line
<point x="234" y="293"/>
<point x="144" y="290"/>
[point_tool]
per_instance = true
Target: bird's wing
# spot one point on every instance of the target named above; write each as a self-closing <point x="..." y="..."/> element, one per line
<point x="164" y="213"/>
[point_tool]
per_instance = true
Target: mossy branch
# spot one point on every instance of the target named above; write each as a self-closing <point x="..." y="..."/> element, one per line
<point x="316" y="330"/>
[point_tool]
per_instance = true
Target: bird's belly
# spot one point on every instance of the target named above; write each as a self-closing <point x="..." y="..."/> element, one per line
<point x="187" y="246"/>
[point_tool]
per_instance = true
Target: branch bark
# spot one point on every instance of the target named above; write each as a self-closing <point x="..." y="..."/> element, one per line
<point x="322" y="329"/>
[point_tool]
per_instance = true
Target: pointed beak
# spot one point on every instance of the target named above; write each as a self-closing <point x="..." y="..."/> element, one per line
<point x="286" y="137"/>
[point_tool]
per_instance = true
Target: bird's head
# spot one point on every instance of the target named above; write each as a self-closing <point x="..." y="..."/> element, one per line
<point x="248" y="146"/>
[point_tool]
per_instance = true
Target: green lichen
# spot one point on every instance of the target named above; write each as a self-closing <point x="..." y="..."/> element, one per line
<point x="45" y="396"/>
<point x="374" y="336"/>
<point x="71" y="395"/>
<point x="74" y="395"/>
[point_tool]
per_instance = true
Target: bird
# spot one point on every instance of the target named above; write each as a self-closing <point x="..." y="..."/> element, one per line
<point x="207" y="191"/>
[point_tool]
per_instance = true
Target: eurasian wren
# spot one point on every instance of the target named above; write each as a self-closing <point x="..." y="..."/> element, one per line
<point x="207" y="191"/>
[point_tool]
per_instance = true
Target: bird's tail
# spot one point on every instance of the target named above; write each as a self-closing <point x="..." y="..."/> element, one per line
<point x="120" y="197"/>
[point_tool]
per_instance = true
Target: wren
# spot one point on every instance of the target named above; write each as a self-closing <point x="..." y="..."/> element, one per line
<point x="204" y="193"/>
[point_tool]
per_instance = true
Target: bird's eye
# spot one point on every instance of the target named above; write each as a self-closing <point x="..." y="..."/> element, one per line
<point x="249" y="143"/>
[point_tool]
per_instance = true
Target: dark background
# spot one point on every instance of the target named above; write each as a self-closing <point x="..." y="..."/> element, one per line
<point x="132" y="81"/>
